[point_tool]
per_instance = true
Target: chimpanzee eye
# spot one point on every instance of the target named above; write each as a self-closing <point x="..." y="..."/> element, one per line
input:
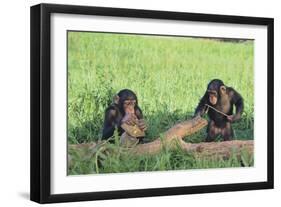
<point x="130" y="102"/>
<point x="211" y="92"/>
<point x="126" y="103"/>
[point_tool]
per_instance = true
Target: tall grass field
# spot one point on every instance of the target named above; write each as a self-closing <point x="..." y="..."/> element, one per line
<point x="169" y="75"/>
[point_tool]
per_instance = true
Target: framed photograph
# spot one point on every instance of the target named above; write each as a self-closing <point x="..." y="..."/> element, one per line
<point x="132" y="103"/>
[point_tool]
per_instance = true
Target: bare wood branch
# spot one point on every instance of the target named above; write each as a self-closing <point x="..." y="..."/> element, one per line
<point x="173" y="138"/>
<point x="178" y="131"/>
<point x="219" y="149"/>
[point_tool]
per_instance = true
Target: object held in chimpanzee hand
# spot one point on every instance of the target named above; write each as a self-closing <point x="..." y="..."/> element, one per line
<point x="133" y="130"/>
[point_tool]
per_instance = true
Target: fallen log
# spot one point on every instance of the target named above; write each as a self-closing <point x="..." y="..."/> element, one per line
<point x="173" y="139"/>
<point x="219" y="149"/>
<point x="177" y="132"/>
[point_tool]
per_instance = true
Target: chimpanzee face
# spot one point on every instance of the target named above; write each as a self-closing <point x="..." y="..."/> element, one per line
<point x="213" y="96"/>
<point x="129" y="106"/>
<point x="215" y="90"/>
<point x="126" y="100"/>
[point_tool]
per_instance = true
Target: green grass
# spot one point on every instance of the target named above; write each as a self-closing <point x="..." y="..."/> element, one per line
<point x="169" y="76"/>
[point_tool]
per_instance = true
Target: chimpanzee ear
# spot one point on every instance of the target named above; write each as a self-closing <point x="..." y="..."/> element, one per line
<point x="116" y="99"/>
<point x="222" y="89"/>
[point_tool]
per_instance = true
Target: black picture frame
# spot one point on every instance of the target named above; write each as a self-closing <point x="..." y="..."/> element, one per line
<point x="41" y="98"/>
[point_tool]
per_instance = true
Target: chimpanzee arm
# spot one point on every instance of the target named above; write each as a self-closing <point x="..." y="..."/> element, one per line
<point x="138" y="113"/>
<point x="110" y="118"/>
<point x="141" y="123"/>
<point x="201" y="108"/>
<point x="237" y="100"/>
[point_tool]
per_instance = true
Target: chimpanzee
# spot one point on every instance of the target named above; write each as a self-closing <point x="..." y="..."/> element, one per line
<point x="124" y="109"/>
<point x="218" y="102"/>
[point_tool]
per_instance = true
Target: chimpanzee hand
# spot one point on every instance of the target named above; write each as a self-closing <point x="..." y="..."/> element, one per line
<point x="142" y="125"/>
<point x="129" y="119"/>
<point x="231" y="118"/>
<point x="196" y="115"/>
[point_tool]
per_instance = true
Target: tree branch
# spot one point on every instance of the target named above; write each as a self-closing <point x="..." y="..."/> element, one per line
<point x="173" y="138"/>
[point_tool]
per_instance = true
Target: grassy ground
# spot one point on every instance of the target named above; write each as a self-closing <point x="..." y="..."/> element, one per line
<point x="169" y="76"/>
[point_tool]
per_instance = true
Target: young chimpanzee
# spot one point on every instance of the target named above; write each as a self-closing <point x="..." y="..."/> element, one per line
<point x="124" y="109"/>
<point x="218" y="102"/>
